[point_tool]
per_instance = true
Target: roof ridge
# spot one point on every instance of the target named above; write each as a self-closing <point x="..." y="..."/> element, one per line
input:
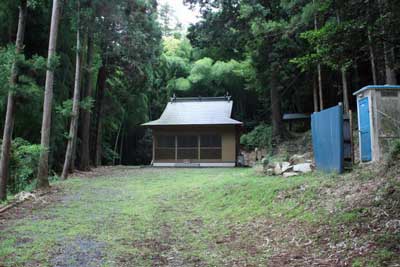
<point x="200" y="99"/>
<point x="385" y="86"/>
<point x="197" y="111"/>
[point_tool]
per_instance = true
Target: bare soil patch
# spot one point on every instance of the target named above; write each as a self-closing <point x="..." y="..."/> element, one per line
<point x="81" y="252"/>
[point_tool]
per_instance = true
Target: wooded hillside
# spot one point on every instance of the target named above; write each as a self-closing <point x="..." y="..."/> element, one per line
<point x="78" y="77"/>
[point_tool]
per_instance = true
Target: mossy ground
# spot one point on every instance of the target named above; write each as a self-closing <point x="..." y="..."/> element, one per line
<point x="202" y="217"/>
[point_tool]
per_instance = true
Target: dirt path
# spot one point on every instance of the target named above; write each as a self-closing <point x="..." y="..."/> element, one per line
<point x="125" y="216"/>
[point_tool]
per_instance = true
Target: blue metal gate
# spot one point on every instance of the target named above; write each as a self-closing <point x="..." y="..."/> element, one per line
<point x="327" y="138"/>
<point x="365" y="129"/>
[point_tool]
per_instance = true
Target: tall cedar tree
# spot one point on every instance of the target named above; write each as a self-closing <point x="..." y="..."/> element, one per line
<point x="10" y="113"/>
<point x="43" y="169"/>
<point x="84" y="164"/>
<point x="101" y="87"/>
<point x="75" y="104"/>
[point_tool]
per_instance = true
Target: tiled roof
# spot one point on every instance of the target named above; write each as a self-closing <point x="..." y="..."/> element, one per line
<point x="197" y="111"/>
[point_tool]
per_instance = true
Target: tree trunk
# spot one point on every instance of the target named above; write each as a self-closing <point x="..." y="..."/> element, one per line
<point x="101" y="86"/>
<point x="315" y="94"/>
<point x="344" y="78"/>
<point x="121" y="147"/>
<point x="43" y="170"/>
<point x="356" y="75"/>
<point x="388" y="53"/>
<point x="372" y="58"/>
<point x="345" y="91"/>
<point x="393" y="78"/>
<point x="320" y="89"/>
<point x="389" y="59"/>
<point x="319" y="72"/>
<point x="278" y="130"/>
<point x="84" y="164"/>
<point x="72" y="166"/>
<point x="10" y="113"/>
<point x="99" y="147"/>
<point x="75" y="109"/>
<point x="117" y="140"/>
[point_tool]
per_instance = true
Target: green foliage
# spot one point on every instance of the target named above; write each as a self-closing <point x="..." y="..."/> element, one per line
<point x="38" y="63"/>
<point x="23" y="165"/>
<point x="182" y="84"/>
<point x="109" y="155"/>
<point x="244" y="47"/>
<point x="394" y="153"/>
<point x="179" y="47"/>
<point x="53" y="62"/>
<point x="175" y="66"/>
<point x="201" y="71"/>
<point x="7" y="57"/>
<point x="395" y="149"/>
<point x="26" y="86"/>
<point x="259" y="137"/>
<point x="329" y="45"/>
<point x="184" y="75"/>
<point x="145" y="148"/>
<point x="87" y="103"/>
<point x="65" y="108"/>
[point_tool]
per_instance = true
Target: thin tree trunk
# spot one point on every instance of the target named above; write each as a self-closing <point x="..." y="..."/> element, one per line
<point x="388" y="53"/>
<point x="277" y="124"/>
<point x="99" y="138"/>
<point x="86" y="114"/>
<point x="116" y="141"/>
<point x="320" y="89"/>
<point x="72" y="166"/>
<point x="356" y="75"/>
<point x="75" y="108"/>
<point x="84" y="164"/>
<point x="393" y="77"/>
<point x="10" y="113"/>
<point x="344" y="78"/>
<point x="10" y="31"/>
<point x="43" y="170"/>
<point x="389" y="59"/>
<point x="315" y="94"/>
<point x="372" y="58"/>
<point x="121" y="147"/>
<point x="345" y="91"/>
<point x="319" y="72"/>
<point x="101" y="85"/>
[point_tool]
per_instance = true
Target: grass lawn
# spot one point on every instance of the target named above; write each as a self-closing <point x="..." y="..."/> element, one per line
<point x="192" y="217"/>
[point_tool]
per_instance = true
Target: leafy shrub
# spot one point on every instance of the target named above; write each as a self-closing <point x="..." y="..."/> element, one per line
<point x="23" y="165"/>
<point x="394" y="154"/>
<point x="395" y="150"/>
<point x="144" y="151"/>
<point x="260" y="137"/>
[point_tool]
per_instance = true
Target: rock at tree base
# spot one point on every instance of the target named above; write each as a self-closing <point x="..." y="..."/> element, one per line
<point x="269" y="172"/>
<point x="298" y="159"/>
<point x="286" y="166"/>
<point x="290" y="174"/>
<point x="258" y="168"/>
<point x="303" y="168"/>
<point x="277" y="169"/>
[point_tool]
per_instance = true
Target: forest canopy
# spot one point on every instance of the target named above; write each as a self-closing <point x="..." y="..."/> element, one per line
<point x="78" y="101"/>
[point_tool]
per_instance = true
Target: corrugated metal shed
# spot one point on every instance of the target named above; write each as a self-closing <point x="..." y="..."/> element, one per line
<point x="197" y="111"/>
<point x="328" y="139"/>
